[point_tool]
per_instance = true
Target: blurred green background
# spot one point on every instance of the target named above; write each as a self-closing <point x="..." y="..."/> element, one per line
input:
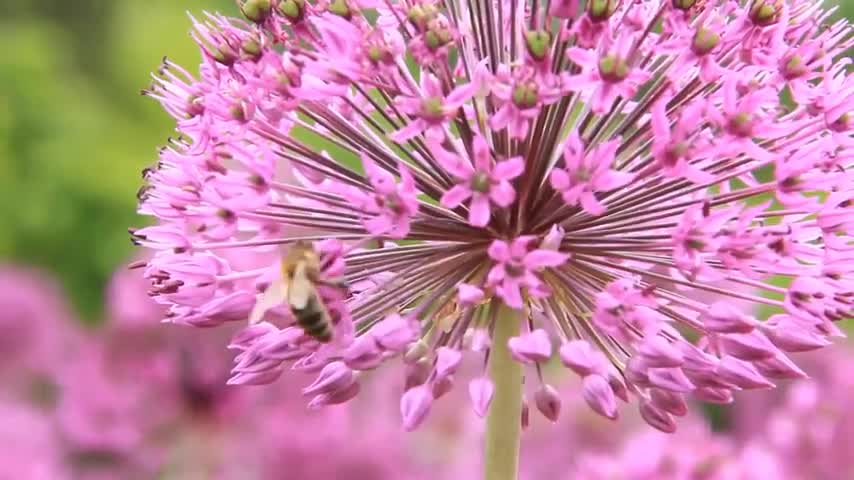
<point x="75" y="133"/>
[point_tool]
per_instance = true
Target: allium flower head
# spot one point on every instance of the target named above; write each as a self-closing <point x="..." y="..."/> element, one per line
<point x="618" y="173"/>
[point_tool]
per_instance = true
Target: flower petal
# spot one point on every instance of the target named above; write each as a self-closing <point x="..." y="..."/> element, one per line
<point x="539" y="259"/>
<point x="454" y="197"/>
<point x="479" y="211"/>
<point x="509" y="169"/>
<point x="502" y="194"/>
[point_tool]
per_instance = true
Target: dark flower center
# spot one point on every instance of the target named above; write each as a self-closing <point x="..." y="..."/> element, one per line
<point x="526" y="95"/>
<point x="601" y="10"/>
<point x="480" y="182"/>
<point x="741" y="124"/>
<point x="765" y="12"/>
<point x="294" y="10"/>
<point x="431" y="108"/>
<point x="515" y="268"/>
<point x="705" y="41"/>
<point x="613" y="68"/>
<point x="537" y="42"/>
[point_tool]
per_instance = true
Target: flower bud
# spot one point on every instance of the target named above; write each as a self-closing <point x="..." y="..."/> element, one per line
<point x="293" y="10"/>
<point x="533" y="347"/>
<point x="789" y="336"/>
<point x="335" y="398"/>
<point x="447" y="361"/>
<point x="548" y="402"/>
<point x="415" y="406"/>
<point x="656" y="417"/>
<point x="765" y="12"/>
<point x="601" y="10"/>
<point x="363" y="354"/>
<point x="684" y="4"/>
<point x="264" y="377"/>
<point x="671" y="379"/>
<point x="579" y="356"/>
<point x="741" y="374"/>
<point x="481" y="391"/>
<point x="672" y="403"/>
<point x="793" y="66"/>
<point x="657" y="352"/>
<point x="780" y="367"/>
<point x="538" y="42"/>
<point x="249" y="335"/>
<point x="257" y="10"/>
<point x="468" y="295"/>
<point x="751" y="346"/>
<point x="722" y="317"/>
<point x="525" y="417"/>
<point x="599" y="396"/>
<point x="334" y="377"/>
<point x="394" y="333"/>
<point x="340" y="8"/>
<point x="442" y="385"/>
<point x="704" y="41"/>
<point x="553" y="239"/>
<point x="618" y="384"/>
<point x="719" y="396"/>
<point x="283" y="346"/>
<point x="480" y="340"/>
<point x="420" y="14"/>
<point x="251" y="47"/>
<point x="437" y="36"/>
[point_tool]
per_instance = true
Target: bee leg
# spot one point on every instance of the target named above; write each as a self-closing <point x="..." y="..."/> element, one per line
<point x="273" y="296"/>
<point x="339" y="284"/>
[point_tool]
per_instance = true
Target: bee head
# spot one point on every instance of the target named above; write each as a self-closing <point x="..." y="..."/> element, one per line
<point x="301" y="251"/>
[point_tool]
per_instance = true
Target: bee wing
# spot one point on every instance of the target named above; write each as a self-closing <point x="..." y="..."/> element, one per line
<point x="273" y="296"/>
<point x="300" y="289"/>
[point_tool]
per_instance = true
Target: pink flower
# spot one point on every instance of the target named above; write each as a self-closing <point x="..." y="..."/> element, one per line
<point x="673" y="148"/>
<point x="587" y="174"/>
<point x="392" y="207"/>
<point x="36" y="329"/>
<point x="741" y="118"/>
<point x="523" y="93"/>
<point x="608" y="73"/>
<point x="516" y="267"/>
<point x="27" y="433"/>
<point x="697" y="46"/>
<point x="433" y="109"/>
<point x="484" y="183"/>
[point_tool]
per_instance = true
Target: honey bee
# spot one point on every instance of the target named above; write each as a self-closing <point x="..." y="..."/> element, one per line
<point x="301" y="273"/>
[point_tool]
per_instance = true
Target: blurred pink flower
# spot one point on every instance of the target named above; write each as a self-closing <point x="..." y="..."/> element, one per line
<point x="30" y="449"/>
<point x="126" y="301"/>
<point x="809" y="424"/>
<point x="36" y="332"/>
<point x="693" y="453"/>
<point x="106" y="417"/>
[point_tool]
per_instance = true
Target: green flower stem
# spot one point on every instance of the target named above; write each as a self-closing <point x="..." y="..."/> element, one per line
<point x="503" y="424"/>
